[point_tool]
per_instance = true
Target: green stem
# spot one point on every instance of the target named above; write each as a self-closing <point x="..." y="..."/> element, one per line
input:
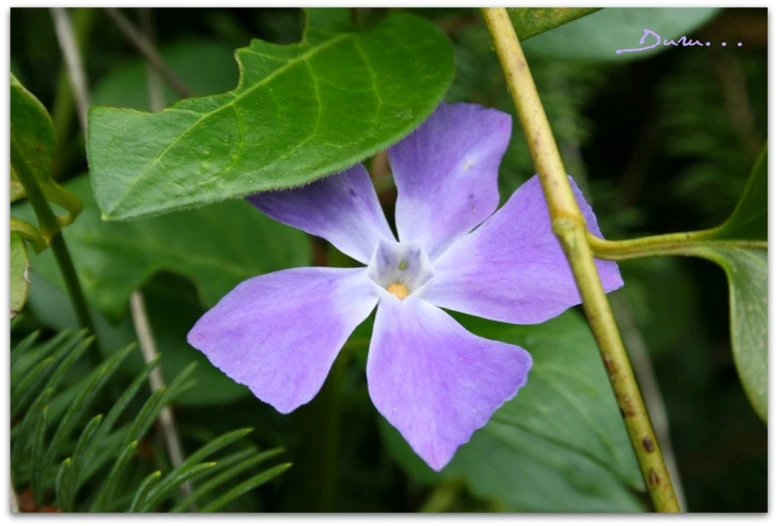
<point x="570" y="228"/>
<point x="315" y="475"/>
<point x="677" y="244"/>
<point x="50" y="228"/>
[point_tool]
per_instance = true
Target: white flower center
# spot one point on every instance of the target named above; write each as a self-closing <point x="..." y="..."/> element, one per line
<point x="400" y="268"/>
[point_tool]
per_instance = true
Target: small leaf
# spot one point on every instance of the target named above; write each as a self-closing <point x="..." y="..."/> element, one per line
<point x="104" y="498"/>
<point x="65" y="485"/>
<point x="230" y="474"/>
<point x="33" y="146"/>
<point x="17" y="190"/>
<point x="20" y="281"/>
<point x="300" y="112"/>
<point x="598" y="36"/>
<point x="177" y="477"/>
<point x="38" y="455"/>
<point x="560" y="444"/>
<point x="146" y="485"/>
<point x="531" y="21"/>
<point x="245" y="487"/>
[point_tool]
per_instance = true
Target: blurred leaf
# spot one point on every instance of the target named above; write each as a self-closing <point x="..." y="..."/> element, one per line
<point x="560" y="444"/>
<point x="749" y="219"/>
<point x="597" y="36"/>
<point x="17" y="190"/>
<point x="216" y="247"/>
<point x="125" y="85"/>
<point x="299" y="112"/>
<point x="245" y="487"/>
<point x="20" y="282"/>
<point x="33" y="146"/>
<point x="531" y="21"/>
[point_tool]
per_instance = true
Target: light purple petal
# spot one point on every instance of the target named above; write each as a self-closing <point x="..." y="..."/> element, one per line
<point x="446" y="174"/>
<point x="435" y="381"/>
<point x="279" y="333"/>
<point x="342" y="208"/>
<point x="512" y="268"/>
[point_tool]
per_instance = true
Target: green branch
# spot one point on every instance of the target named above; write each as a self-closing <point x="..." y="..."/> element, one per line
<point x="570" y="227"/>
<point x="678" y="244"/>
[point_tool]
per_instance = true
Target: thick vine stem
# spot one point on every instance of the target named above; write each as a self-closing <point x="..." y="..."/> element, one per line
<point x="569" y="226"/>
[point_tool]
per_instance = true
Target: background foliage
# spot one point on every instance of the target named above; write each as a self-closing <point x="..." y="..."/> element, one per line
<point x="660" y="142"/>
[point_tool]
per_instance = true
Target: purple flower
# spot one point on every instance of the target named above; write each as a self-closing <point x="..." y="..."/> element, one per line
<point x="433" y="380"/>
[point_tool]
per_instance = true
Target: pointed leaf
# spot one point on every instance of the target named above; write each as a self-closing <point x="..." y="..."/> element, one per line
<point x="531" y="21"/>
<point x="300" y="112"/>
<point x="146" y="485"/>
<point x="245" y="487"/>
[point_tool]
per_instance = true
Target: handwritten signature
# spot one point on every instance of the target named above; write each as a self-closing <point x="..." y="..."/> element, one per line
<point x="683" y="41"/>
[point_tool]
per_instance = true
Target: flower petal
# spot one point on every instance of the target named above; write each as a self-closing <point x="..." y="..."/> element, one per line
<point x="433" y="380"/>
<point x="512" y="268"/>
<point x="342" y="208"/>
<point x="446" y="174"/>
<point x="279" y="333"/>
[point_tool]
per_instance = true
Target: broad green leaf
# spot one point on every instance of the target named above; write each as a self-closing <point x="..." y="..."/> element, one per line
<point x="746" y="271"/>
<point x="598" y="36"/>
<point x="216" y="247"/>
<point x="125" y="85"/>
<point x="300" y="112"/>
<point x="20" y="282"/>
<point x="531" y="21"/>
<point x="34" y="143"/>
<point x="731" y="245"/>
<point x="560" y="444"/>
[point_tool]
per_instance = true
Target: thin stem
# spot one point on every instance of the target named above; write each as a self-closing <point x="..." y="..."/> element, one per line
<point x="140" y="317"/>
<point x="570" y="228"/>
<point x="677" y="244"/>
<point x="148" y="347"/>
<point x="50" y="228"/>
<point x="143" y="45"/>
<point x="72" y="56"/>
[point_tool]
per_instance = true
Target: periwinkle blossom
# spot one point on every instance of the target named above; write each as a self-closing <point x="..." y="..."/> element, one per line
<point x="434" y="381"/>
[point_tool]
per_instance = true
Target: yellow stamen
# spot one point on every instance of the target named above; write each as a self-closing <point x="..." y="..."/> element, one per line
<point x="398" y="289"/>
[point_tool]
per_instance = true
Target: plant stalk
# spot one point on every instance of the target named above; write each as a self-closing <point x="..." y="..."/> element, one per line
<point x="677" y="244"/>
<point x="50" y="228"/>
<point x="570" y="228"/>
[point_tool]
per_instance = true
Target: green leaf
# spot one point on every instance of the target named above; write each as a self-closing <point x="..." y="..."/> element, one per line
<point x="38" y="455"/>
<point x="245" y="487"/>
<point x="146" y="485"/>
<point x="531" y="21"/>
<point x="216" y="247"/>
<point x="65" y="485"/>
<point x="241" y="464"/>
<point x="749" y="219"/>
<point x="598" y="36"/>
<point x="300" y="112"/>
<point x="104" y="498"/>
<point x="560" y="444"/>
<point x="175" y="479"/>
<point x="731" y="246"/>
<point x="20" y="282"/>
<point x="33" y="139"/>
<point x="125" y="85"/>
<point x="17" y="190"/>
